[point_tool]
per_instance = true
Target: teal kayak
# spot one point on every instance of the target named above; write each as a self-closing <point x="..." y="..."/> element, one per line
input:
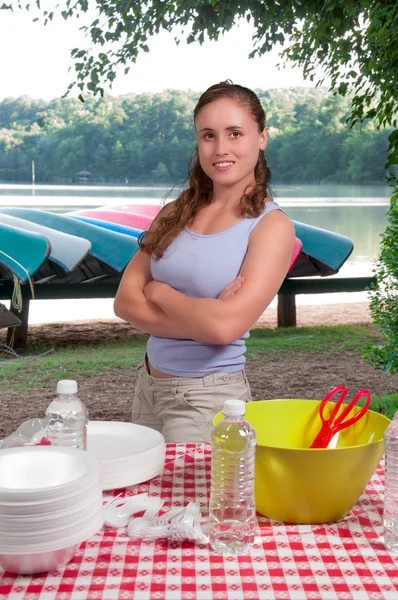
<point x="323" y="252"/>
<point x="22" y="253"/>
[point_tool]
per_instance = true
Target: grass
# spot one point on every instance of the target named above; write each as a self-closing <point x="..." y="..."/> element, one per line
<point x="387" y="404"/>
<point x="331" y="339"/>
<point x="67" y="363"/>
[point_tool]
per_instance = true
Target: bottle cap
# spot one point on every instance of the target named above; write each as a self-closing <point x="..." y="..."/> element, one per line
<point x="234" y="408"/>
<point x="67" y="386"/>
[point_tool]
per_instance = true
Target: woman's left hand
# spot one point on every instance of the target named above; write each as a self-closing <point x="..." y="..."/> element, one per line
<point x="152" y="289"/>
<point x="230" y="290"/>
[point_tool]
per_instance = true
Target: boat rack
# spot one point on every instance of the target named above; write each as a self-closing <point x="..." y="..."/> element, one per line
<point x="286" y="311"/>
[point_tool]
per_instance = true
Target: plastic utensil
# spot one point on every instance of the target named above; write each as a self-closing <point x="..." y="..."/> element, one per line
<point x="118" y="515"/>
<point x="149" y="527"/>
<point x="336" y="423"/>
<point x="187" y="527"/>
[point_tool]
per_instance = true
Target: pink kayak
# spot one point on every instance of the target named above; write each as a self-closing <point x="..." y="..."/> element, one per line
<point x="150" y="210"/>
<point x="296" y="252"/>
<point x="143" y="221"/>
<point x="138" y="221"/>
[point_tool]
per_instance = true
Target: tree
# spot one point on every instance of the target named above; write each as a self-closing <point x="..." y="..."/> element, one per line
<point x="384" y="302"/>
<point x="353" y="41"/>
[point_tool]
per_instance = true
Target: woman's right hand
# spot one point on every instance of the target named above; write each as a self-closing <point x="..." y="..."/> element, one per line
<point x="230" y="290"/>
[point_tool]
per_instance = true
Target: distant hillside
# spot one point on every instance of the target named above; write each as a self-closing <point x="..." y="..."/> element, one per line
<point x="142" y="138"/>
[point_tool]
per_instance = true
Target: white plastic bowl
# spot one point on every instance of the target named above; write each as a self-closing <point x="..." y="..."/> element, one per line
<point x="63" y="540"/>
<point x="49" y="506"/>
<point x="52" y="522"/>
<point x="29" y="563"/>
<point x="42" y="472"/>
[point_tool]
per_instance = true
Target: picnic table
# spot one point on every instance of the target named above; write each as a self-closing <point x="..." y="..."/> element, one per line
<point x="337" y="561"/>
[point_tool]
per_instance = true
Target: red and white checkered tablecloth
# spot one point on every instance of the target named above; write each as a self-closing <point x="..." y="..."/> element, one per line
<point x="341" y="561"/>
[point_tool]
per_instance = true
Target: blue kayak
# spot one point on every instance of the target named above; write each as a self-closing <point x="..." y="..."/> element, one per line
<point x="107" y="225"/>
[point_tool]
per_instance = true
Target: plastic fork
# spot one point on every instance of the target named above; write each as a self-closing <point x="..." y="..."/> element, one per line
<point x="118" y="515"/>
<point x="187" y="527"/>
<point x="149" y="527"/>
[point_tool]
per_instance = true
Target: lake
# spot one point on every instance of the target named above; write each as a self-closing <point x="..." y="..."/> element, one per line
<point x="358" y="212"/>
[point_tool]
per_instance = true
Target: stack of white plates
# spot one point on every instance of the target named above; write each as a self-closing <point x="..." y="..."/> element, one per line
<point x="128" y="453"/>
<point x="50" y="502"/>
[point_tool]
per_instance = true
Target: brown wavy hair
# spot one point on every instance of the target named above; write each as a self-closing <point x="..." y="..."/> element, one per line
<point x="198" y="191"/>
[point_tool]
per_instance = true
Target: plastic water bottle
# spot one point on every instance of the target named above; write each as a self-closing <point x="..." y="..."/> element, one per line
<point x="390" y="513"/>
<point x="67" y="417"/>
<point x="232" y="511"/>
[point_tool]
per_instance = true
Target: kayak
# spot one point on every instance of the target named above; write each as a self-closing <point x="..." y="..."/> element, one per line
<point x="110" y="251"/>
<point x="323" y="252"/>
<point x="22" y="253"/>
<point x="67" y="251"/>
<point x="108" y="225"/>
<point x="134" y="220"/>
<point x="150" y="210"/>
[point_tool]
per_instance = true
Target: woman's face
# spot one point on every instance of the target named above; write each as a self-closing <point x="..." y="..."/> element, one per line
<point x="229" y="141"/>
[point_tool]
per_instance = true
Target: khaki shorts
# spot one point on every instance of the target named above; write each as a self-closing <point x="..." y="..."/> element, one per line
<point x="183" y="408"/>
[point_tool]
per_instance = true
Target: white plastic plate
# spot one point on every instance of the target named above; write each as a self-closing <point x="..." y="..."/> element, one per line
<point x="123" y="449"/>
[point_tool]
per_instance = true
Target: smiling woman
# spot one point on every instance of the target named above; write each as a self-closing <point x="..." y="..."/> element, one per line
<point x="208" y="267"/>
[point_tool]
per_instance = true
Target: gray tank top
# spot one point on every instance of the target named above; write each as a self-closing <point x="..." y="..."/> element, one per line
<point x="200" y="266"/>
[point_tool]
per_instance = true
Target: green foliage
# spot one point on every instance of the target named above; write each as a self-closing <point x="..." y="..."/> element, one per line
<point x="354" y="42"/>
<point x="384" y="298"/>
<point x="150" y="137"/>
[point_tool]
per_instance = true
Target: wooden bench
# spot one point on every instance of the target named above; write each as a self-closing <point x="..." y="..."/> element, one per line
<point x="286" y="296"/>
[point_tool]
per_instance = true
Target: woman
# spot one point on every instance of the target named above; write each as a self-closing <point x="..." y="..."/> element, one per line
<point x="208" y="267"/>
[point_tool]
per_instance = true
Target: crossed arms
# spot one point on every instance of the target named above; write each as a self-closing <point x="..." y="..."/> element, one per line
<point x="161" y="310"/>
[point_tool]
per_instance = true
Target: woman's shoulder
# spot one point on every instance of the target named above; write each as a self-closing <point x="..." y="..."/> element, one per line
<point x="269" y="206"/>
<point x="275" y="215"/>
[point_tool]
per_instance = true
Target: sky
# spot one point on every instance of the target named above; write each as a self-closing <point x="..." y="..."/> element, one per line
<point x="38" y="58"/>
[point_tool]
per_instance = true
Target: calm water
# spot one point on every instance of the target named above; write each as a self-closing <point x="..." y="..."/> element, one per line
<point x="358" y="212"/>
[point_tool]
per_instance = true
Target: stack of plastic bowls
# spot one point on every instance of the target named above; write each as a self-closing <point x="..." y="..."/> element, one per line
<point x="50" y="502"/>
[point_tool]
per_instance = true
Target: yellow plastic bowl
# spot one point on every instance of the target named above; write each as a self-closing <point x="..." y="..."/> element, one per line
<point x="296" y="484"/>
